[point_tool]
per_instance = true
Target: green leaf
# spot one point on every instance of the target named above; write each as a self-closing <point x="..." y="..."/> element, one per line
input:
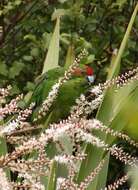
<point x="28" y="96"/>
<point x="70" y="57"/>
<point x="3" y="69"/>
<point x="117" y="61"/>
<point x="15" y="69"/>
<point x="116" y="69"/>
<point x="52" y="177"/>
<point x="27" y="58"/>
<point x="62" y="1"/>
<point x="88" y="59"/>
<point x="131" y="113"/>
<point x="34" y="52"/>
<point x="103" y="173"/>
<point x="30" y="37"/>
<point x="133" y="174"/>
<point x="14" y="90"/>
<point x="30" y="86"/>
<point x="52" y="57"/>
<point x="4" y="151"/>
<point x="58" y="13"/>
<point x="120" y="3"/>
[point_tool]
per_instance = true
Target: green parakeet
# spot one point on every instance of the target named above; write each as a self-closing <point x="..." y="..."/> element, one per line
<point x="66" y="97"/>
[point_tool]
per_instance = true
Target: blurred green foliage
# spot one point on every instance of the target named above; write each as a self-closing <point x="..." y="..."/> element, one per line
<point x="27" y="27"/>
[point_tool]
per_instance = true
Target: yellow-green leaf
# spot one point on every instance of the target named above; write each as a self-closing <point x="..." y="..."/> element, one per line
<point x="52" y="57"/>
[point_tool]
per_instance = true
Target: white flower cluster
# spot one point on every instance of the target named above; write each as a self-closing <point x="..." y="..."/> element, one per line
<point x="10" y="127"/>
<point x="11" y="107"/>
<point x="54" y="133"/>
<point x="60" y="180"/>
<point x="84" y="107"/>
<point x="89" y="138"/>
<point x="62" y="159"/>
<point x="54" y="90"/>
<point x="93" y="105"/>
<point x="96" y="90"/>
<point x="4" y="184"/>
<point x="33" y="180"/>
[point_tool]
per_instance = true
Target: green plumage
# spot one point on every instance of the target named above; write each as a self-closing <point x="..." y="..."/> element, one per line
<point x="44" y="84"/>
<point x="66" y="97"/>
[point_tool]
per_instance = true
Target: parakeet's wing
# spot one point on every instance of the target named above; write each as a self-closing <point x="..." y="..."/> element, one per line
<point x="67" y="96"/>
<point x="44" y="84"/>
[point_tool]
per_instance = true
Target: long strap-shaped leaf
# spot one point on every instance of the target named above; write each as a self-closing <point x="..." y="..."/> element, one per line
<point x="123" y="44"/>
<point x="105" y="113"/>
<point x="69" y="57"/>
<point x="52" y="56"/>
<point x="4" y="151"/>
<point x="52" y="177"/>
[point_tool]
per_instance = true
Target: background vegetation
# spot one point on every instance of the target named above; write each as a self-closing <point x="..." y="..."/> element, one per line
<point x="27" y="27"/>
